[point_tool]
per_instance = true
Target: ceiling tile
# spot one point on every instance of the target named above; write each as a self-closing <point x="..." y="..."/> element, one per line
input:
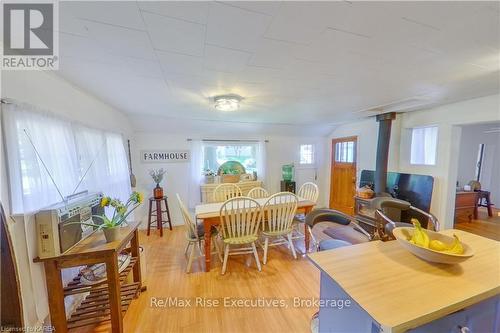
<point x="175" y="35"/>
<point x="121" y="41"/>
<point x="300" y="22"/>
<point x="193" y="11"/>
<point x="272" y="53"/>
<point x="233" y="27"/>
<point x="224" y="59"/>
<point x="175" y="63"/>
<point x="120" y="13"/>
<point x="262" y="7"/>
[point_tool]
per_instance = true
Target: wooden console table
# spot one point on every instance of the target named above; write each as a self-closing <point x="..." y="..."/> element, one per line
<point x="107" y="300"/>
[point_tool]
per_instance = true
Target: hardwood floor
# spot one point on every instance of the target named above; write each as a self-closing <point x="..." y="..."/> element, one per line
<point x="484" y="226"/>
<point x="282" y="279"/>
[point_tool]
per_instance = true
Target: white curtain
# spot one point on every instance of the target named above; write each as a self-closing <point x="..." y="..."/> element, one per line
<point x="262" y="161"/>
<point x="118" y="176"/>
<point x="91" y="146"/>
<point x="196" y="176"/>
<point x="77" y="158"/>
<point x="27" y="129"/>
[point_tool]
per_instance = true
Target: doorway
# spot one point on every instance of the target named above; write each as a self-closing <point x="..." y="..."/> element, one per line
<point x="478" y="178"/>
<point x="343" y="174"/>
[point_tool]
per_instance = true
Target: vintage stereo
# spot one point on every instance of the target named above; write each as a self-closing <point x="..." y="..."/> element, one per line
<point x="56" y="227"/>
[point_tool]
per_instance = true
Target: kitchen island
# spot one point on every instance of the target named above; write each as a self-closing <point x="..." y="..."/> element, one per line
<point x="384" y="288"/>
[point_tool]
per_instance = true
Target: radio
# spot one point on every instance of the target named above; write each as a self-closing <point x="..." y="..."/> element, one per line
<point x="56" y="227"/>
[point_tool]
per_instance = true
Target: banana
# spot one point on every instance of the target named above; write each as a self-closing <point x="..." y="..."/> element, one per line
<point x="456" y="247"/>
<point x="419" y="237"/>
<point x="438" y="245"/>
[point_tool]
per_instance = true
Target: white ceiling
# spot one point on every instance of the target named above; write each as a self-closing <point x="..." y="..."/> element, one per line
<point x="293" y="62"/>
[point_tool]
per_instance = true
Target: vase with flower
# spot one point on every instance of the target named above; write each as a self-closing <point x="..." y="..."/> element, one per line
<point x="120" y="212"/>
<point x="157" y="175"/>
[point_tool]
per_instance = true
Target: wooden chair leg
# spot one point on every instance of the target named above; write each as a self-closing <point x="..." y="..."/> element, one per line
<point x="149" y="217"/>
<point x="291" y="246"/>
<point x="200" y="247"/>
<point x="159" y="217"/>
<point x="187" y="248"/>
<point x="256" y="255"/>
<point x="217" y="248"/>
<point x="315" y="243"/>
<point x="226" y="254"/>
<point x="168" y="214"/>
<point x="266" y="246"/>
<point x="191" y="257"/>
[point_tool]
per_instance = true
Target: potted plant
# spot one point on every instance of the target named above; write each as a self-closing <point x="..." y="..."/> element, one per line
<point x="230" y="176"/>
<point x="111" y="226"/>
<point x="157" y="175"/>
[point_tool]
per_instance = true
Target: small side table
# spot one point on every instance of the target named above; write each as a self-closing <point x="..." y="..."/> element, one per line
<point x="158" y="211"/>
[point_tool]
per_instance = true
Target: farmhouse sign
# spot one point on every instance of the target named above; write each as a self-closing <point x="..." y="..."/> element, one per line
<point x="165" y="156"/>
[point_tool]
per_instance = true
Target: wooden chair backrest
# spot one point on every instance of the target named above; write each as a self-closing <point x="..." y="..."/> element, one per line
<point x="309" y="191"/>
<point x="225" y="192"/>
<point x="188" y="221"/>
<point x="240" y="217"/>
<point x="279" y="211"/>
<point x="258" y="193"/>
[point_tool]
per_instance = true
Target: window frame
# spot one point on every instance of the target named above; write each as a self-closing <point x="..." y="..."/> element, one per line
<point x="215" y="143"/>
<point x="313" y="155"/>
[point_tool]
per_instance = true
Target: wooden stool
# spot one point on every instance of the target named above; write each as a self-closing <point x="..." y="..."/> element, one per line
<point x="158" y="211"/>
<point x="483" y="195"/>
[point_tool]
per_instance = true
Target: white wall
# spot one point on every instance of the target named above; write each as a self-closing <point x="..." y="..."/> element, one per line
<point x="280" y="150"/>
<point x="472" y="136"/>
<point x="366" y="131"/>
<point x="48" y="91"/>
<point x="449" y="119"/>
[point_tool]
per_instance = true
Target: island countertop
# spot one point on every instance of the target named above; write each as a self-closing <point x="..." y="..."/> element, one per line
<point x="401" y="291"/>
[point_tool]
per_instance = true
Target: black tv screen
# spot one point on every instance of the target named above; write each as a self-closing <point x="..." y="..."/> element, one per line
<point x="416" y="189"/>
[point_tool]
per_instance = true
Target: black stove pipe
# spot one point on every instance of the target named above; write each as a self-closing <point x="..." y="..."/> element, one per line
<point x="384" y="138"/>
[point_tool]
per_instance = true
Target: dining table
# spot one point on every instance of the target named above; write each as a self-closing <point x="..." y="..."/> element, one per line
<point x="209" y="215"/>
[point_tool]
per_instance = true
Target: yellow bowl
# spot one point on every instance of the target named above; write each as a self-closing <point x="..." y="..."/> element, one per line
<point x="402" y="234"/>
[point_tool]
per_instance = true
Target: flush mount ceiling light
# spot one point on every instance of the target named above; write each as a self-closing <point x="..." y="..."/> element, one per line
<point x="227" y="102"/>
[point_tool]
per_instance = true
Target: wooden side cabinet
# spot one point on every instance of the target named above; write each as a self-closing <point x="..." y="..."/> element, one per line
<point x="107" y="301"/>
<point x="466" y="205"/>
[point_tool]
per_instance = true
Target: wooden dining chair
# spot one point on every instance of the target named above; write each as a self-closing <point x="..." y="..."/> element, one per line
<point x="240" y="220"/>
<point x="258" y="193"/>
<point x="225" y="192"/>
<point x="278" y="213"/>
<point x="195" y="236"/>
<point x="308" y="191"/>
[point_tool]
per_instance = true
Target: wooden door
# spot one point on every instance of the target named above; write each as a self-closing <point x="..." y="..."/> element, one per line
<point x="343" y="174"/>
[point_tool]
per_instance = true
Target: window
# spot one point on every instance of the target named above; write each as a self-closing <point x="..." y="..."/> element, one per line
<point x="72" y="156"/>
<point x="216" y="153"/>
<point x="306" y="154"/>
<point x="345" y="152"/>
<point x="424" y="145"/>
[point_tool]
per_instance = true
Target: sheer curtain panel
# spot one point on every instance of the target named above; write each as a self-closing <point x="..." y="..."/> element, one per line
<point x="41" y="147"/>
<point x="29" y="130"/>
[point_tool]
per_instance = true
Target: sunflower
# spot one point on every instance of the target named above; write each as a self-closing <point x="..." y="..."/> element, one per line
<point x="139" y="197"/>
<point x="105" y="201"/>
